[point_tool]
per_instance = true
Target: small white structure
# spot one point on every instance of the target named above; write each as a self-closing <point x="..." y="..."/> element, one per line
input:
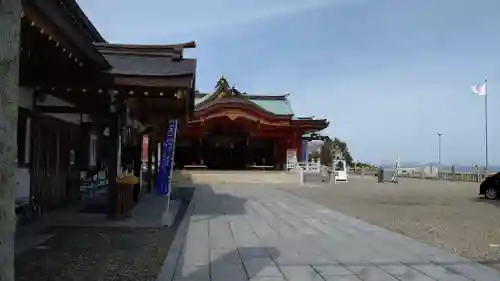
<point x="339" y="171"/>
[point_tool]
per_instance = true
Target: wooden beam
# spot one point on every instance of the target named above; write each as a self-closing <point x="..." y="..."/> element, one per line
<point x="184" y="81"/>
<point x="49" y="16"/>
<point x="69" y="110"/>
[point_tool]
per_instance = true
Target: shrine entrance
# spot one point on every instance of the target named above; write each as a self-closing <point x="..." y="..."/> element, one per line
<point x="226" y="147"/>
<point x="233" y="130"/>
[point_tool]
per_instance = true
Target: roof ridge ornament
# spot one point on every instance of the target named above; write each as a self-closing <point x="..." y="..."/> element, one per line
<point x="222" y="88"/>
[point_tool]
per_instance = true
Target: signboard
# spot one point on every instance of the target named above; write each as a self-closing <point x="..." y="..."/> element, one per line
<point x="291" y="158"/>
<point x="145" y="144"/>
<point x="163" y="178"/>
<point x="340" y="171"/>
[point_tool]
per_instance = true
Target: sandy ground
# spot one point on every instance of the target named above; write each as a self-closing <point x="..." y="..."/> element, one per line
<point x="448" y="215"/>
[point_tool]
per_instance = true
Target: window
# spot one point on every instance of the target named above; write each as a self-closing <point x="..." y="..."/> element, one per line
<point x="23" y="138"/>
<point x="27" y="142"/>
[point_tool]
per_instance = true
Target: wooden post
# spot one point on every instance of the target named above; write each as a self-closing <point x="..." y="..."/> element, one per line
<point x="151" y="144"/>
<point x="113" y="146"/>
<point x="138" y="166"/>
<point x="162" y="154"/>
<point x="157" y="156"/>
<point x="112" y="162"/>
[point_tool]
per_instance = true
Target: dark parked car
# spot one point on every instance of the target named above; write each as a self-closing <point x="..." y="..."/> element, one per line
<point x="490" y="187"/>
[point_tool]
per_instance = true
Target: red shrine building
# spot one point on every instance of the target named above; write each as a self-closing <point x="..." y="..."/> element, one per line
<point x="230" y="129"/>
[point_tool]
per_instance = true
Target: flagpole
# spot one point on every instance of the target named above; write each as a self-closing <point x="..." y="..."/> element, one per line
<point x="486" y="123"/>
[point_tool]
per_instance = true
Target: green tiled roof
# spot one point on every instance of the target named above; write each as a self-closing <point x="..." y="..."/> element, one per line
<point x="279" y="105"/>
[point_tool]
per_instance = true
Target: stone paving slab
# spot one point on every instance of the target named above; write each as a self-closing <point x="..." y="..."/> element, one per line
<point x="253" y="232"/>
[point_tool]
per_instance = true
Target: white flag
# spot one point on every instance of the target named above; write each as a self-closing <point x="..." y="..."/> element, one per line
<point x="479" y="89"/>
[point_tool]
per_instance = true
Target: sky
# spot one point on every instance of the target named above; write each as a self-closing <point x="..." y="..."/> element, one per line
<point x="388" y="74"/>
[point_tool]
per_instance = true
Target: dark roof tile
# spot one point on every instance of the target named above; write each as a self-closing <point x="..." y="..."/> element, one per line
<point x="125" y="64"/>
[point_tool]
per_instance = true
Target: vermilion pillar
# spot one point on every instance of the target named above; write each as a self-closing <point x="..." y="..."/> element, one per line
<point x="295" y="143"/>
<point x="299" y="148"/>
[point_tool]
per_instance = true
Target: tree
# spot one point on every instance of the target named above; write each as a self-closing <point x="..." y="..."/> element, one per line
<point x="326" y="153"/>
<point x="328" y="149"/>
<point x="345" y="152"/>
<point x="10" y="22"/>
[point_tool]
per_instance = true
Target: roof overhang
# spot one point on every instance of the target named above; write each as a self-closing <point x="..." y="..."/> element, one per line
<point x="311" y="125"/>
<point x="58" y="21"/>
<point x="222" y="105"/>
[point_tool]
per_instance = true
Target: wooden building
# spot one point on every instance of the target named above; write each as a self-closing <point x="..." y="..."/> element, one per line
<point x="84" y="101"/>
<point x="234" y="130"/>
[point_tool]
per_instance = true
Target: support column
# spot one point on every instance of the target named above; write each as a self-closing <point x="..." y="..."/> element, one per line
<point x="113" y="153"/>
<point x="112" y="163"/>
<point x="151" y="143"/>
<point x="138" y="166"/>
<point x="281" y="145"/>
<point x="158" y="155"/>
<point x="297" y="144"/>
<point x="275" y="154"/>
<point x="200" y="153"/>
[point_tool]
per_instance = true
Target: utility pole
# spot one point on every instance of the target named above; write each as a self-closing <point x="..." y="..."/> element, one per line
<point x="439" y="148"/>
<point x="486" y="124"/>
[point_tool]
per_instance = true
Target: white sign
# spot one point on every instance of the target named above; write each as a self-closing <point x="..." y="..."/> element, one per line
<point x="291" y="158"/>
<point x="340" y="171"/>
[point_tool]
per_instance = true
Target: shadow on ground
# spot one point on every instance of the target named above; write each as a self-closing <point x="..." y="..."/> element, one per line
<point x="245" y="263"/>
<point x="101" y="253"/>
<point x="219" y="203"/>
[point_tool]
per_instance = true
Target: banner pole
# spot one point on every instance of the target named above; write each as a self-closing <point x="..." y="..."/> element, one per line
<point x="169" y="183"/>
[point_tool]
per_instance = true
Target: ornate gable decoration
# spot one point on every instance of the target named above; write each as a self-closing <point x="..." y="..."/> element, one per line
<point x="223" y="90"/>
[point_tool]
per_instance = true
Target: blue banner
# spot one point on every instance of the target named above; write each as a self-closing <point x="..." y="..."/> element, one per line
<point x="304" y="151"/>
<point x="164" y="175"/>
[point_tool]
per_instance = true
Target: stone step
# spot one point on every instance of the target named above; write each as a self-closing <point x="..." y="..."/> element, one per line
<point x="206" y="177"/>
<point x="316" y="178"/>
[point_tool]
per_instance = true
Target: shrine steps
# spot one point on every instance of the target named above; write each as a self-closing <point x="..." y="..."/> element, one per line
<point x="197" y="177"/>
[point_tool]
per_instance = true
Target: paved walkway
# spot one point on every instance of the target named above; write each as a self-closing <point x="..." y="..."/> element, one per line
<point x="262" y="233"/>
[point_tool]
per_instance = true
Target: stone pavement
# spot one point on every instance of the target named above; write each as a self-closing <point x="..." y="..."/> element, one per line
<point x="252" y="232"/>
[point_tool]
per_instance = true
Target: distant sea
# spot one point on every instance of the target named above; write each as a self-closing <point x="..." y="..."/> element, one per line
<point x="458" y="168"/>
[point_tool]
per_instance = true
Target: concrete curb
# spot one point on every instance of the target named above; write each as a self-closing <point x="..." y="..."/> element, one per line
<point x="167" y="271"/>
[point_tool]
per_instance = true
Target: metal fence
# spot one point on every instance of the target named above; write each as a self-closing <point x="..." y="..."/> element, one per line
<point x="430" y="174"/>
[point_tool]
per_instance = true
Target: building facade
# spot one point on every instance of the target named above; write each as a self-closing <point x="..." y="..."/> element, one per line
<point x="84" y="103"/>
<point x="234" y="130"/>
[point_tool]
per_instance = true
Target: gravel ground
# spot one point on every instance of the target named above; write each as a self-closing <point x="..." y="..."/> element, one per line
<point x="444" y="214"/>
<point x="101" y="253"/>
<point x="95" y="253"/>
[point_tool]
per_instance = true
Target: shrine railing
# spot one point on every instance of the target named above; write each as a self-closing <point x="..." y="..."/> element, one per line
<point x="313" y="166"/>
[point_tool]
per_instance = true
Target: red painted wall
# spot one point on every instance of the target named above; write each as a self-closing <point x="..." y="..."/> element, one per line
<point x="294" y="142"/>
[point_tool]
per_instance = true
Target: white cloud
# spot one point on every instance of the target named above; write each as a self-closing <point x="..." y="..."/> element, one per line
<point x="155" y="19"/>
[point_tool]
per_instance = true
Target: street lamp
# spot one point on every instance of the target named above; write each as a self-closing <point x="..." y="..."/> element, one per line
<point x="439" y="148"/>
